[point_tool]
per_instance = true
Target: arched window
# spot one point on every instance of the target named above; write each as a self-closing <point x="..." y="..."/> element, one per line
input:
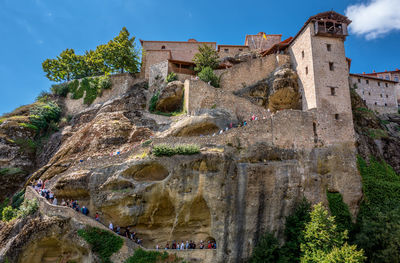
<point x="163" y="47"/>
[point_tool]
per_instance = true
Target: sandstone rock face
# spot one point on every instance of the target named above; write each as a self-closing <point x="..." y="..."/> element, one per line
<point x="227" y="195"/>
<point x="171" y="97"/>
<point x="17" y="154"/>
<point x="277" y="92"/>
<point x="38" y="239"/>
<point x="385" y="146"/>
<point x="285" y="91"/>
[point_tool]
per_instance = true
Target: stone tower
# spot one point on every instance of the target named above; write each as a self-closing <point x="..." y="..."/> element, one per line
<point x="317" y="53"/>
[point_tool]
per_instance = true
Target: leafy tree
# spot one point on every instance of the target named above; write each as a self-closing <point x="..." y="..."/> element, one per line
<point x="206" y="57"/>
<point x="266" y="250"/>
<point x="121" y="53"/>
<point x="324" y="243"/>
<point x="53" y="70"/>
<point x="208" y="75"/>
<point x="340" y="211"/>
<point x="294" y="236"/>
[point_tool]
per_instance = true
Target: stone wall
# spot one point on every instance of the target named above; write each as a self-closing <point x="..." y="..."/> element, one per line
<point x="199" y="95"/>
<point x="230" y="50"/>
<point x="157" y="51"/>
<point x="382" y="97"/>
<point x="158" y="71"/>
<point x="302" y="61"/>
<point x="153" y="57"/>
<point x="287" y="129"/>
<point x="120" y="84"/>
<point x="249" y="72"/>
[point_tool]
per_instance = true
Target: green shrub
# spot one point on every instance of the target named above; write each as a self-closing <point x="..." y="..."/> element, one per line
<point x="142" y="256"/>
<point x="153" y="101"/>
<point x="43" y="96"/>
<point x="60" y="89"/>
<point x="340" y="211"/>
<point x="294" y="236"/>
<point x="17" y="199"/>
<point x="73" y="87"/>
<point x="377" y="134"/>
<point x="168" y="150"/>
<point x="104" y="82"/>
<point x="29" y="126"/>
<point x="43" y="114"/>
<point x="208" y="75"/>
<point x="28" y="207"/>
<point x="2" y="206"/>
<point x="103" y="242"/>
<point x="92" y="90"/>
<point x="10" y="171"/>
<point x="378" y="223"/>
<point x="147" y="143"/>
<point x="266" y="250"/>
<point x="26" y="145"/>
<point x="9" y="214"/>
<point x="171" y="77"/>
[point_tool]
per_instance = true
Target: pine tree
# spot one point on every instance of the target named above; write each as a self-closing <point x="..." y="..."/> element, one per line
<point x="323" y="242"/>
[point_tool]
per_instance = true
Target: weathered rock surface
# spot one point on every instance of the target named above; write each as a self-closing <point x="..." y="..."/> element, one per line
<point x="171" y="97"/>
<point x="277" y="92"/>
<point x="366" y="124"/>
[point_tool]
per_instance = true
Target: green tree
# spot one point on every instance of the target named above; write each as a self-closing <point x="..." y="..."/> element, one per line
<point x="121" y="53"/>
<point x="206" y="57"/>
<point x="324" y="243"/>
<point x="294" y="236"/>
<point x="208" y="75"/>
<point x="266" y="250"/>
<point x="52" y="68"/>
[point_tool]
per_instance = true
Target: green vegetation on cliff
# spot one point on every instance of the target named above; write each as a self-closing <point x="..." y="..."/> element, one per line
<point x="103" y="242"/>
<point x="378" y="224"/>
<point x="142" y="256"/>
<point x="118" y="55"/>
<point x="168" y="150"/>
<point x="340" y="211"/>
<point x="26" y="208"/>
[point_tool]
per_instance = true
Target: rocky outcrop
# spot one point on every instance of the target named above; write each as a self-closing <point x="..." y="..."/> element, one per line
<point x="284" y="93"/>
<point x="377" y="136"/>
<point x="277" y="92"/>
<point x="171" y="97"/>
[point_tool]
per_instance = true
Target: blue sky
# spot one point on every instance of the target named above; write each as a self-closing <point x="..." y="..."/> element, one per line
<point x="33" y="30"/>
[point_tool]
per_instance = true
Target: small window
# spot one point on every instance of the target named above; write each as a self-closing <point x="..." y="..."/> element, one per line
<point x="381" y="96"/>
<point x="331" y="68"/>
<point x="306" y="70"/>
<point x="302" y="54"/>
<point x="328" y="47"/>
<point x="376" y="103"/>
<point x="163" y="47"/>
<point x="359" y="80"/>
<point x="386" y="85"/>
<point x="369" y="93"/>
<point x="363" y="92"/>
<point x="385" y="104"/>
<point x="336" y="116"/>
<point x="379" y="84"/>
<point x="387" y="77"/>
<point x="396" y="78"/>
<point x="387" y="96"/>
<point x="240" y="49"/>
<point x="333" y="92"/>
<point x="226" y="50"/>
<point x="364" y="101"/>
<point x="367" y="81"/>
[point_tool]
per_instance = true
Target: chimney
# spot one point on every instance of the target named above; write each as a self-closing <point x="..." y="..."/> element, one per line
<point x="397" y="69"/>
<point x="385" y="70"/>
<point x="373" y="71"/>
<point x="363" y="73"/>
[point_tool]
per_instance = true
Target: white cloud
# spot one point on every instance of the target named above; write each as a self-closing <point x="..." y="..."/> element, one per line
<point x="375" y="18"/>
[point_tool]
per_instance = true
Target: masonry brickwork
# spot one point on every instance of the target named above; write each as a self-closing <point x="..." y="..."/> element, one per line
<point x="379" y="94"/>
